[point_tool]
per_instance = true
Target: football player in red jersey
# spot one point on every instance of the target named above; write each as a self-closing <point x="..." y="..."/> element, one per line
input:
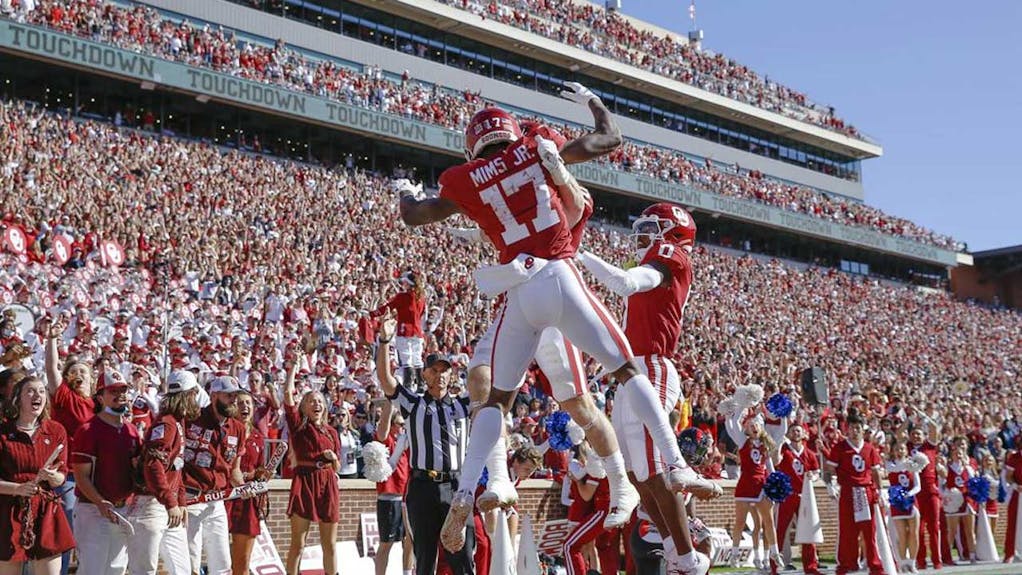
<point x="857" y="465"/>
<point x="656" y="292"/>
<point x="560" y="361"/>
<point x="508" y="190"/>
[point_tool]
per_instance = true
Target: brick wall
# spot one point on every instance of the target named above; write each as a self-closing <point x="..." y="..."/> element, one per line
<point x="538" y="498"/>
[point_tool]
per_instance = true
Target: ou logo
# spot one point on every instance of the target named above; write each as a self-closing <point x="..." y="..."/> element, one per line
<point x="858" y="463"/>
<point x="798" y="467"/>
<point x="680" y="215"/>
<point x="756" y="456"/>
<point x="904" y="481"/>
<point x="959" y="482"/>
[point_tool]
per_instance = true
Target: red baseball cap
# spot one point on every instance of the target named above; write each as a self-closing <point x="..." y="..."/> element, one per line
<point x="110" y="378"/>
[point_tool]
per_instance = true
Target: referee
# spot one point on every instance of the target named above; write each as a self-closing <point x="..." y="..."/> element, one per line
<point x="437" y="427"/>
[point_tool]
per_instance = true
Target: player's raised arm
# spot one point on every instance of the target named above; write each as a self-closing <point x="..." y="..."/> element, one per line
<point x="620" y="281"/>
<point x="417" y="210"/>
<point x="602" y="141"/>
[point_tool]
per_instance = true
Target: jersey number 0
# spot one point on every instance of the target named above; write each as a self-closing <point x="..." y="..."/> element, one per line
<point x="494" y="196"/>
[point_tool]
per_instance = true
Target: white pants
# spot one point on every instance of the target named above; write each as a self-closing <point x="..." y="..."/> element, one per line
<point x="409" y="351"/>
<point x="637" y="447"/>
<point x="154" y="540"/>
<point x="102" y="545"/>
<point x="556" y="296"/>
<point x="559" y="359"/>
<point x="207" y="529"/>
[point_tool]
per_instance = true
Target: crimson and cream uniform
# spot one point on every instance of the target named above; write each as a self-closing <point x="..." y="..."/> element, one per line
<point x="111" y="449"/>
<point x="314" y="493"/>
<point x="1013" y="476"/>
<point x="653" y="326"/>
<point x="409" y="338"/>
<point x="243" y="515"/>
<point x="898" y="474"/>
<point x="212" y="449"/>
<point x="958" y="474"/>
<point x="928" y="502"/>
<point x="856" y="504"/>
<point x="590" y="528"/>
<point x="41" y="529"/>
<point x="515" y="203"/>
<point x="796" y="464"/>
<point x="164" y="489"/>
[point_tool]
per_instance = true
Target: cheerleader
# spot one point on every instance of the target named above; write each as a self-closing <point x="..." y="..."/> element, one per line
<point x="244" y="515"/>
<point x="755" y="453"/>
<point x="33" y="528"/>
<point x="904" y="471"/>
<point x="958" y="474"/>
<point x="410" y="306"/>
<point x="315" y="497"/>
<point x="988" y="468"/>
<point x="594" y="489"/>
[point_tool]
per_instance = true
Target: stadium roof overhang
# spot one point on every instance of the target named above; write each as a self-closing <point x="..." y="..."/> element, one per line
<point x="516" y="40"/>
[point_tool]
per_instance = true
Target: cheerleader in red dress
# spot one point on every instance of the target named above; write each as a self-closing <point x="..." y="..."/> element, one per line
<point x="755" y="453"/>
<point x="959" y="471"/>
<point x="33" y="527"/>
<point x="315" y="497"/>
<point x="989" y="468"/>
<point x="903" y="471"/>
<point x="243" y="515"/>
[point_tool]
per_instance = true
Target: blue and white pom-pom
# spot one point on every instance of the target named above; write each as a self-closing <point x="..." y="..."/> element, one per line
<point x="779" y="405"/>
<point x="484" y="477"/>
<point x="726" y="407"/>
<point x="376" y="459"/>
<point x="557" y="429"/>
<point x="747" y="396"/>
<point x="979" y="489"/>
<point x="1002" y="491"/>
<point x="900" y="499"/>
<point x="777" y="487"/>
<point x="917" y="462"/>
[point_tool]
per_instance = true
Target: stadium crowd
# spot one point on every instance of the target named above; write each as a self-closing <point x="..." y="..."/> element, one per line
<point x="610" y="34"/>
<point x="253" y="265"/>
<point x="144" y="29"/>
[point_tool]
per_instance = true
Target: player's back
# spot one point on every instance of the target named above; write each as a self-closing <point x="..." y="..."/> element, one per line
<point x="653" y="318"/>
<point x="513" y="200"/>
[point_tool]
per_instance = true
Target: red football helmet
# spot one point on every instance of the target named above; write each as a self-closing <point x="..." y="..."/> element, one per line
<point x="489" y="126"/>
<point x="663" y="222"/>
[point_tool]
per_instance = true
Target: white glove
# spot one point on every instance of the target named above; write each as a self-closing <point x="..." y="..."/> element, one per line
<point x="578" y="93"/>
<point x="552" y="161"/>
<point x="467" y="235"/>
<point x="404" y="187"/>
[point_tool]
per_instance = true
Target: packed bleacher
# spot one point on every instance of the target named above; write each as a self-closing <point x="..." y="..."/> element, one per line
<point x="259" y="253"/>
<point x="144" y="29"/>
<point x="610" y="34"/>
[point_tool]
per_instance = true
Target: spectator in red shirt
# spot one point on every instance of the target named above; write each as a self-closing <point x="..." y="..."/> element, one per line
<point x="99" y="451"/>
<point x="390" y="512"/>
<point x="410" y="307"/>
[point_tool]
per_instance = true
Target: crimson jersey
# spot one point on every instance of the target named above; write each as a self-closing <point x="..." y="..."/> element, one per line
<point x="902" y="477"/>
<point x="797" y="464"/>
<point x="653" y="318"/>
<point x="855" y="466"/>
<point x="1013" y="462"/>
<point x="928" y="476"/>
<point x="410" y="308"/>
<point x="513" y="200"/>
<point x="958" y="475"/>
<point x="752" y="457"/>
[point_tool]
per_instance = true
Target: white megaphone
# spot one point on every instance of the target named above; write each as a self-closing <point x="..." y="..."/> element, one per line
<point x="808" y="528"/>
<point x="882" y="542"/>
<point x="528" y="556"/>
<point x="986" y="549"/>
<point x="502" y="561"/>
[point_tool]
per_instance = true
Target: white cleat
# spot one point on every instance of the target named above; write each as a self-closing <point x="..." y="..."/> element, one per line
<point x="498" y="494"/>
<point x="452" y="534"/>
<point x="623" y="501"/>
<point x="685" y="479"/>
<point x="700" y="566"/>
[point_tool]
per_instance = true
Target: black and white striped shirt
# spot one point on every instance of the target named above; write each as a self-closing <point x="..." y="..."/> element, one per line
<point x="437" y="429"/>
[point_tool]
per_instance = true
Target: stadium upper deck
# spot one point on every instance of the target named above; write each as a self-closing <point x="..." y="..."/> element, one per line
<point x="327" y="111"/>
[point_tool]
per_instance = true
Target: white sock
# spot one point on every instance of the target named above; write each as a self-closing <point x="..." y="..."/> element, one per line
<point x="407" y="572"/>
<point x="496" y="463"/>
<point x="774" y="549"/>
<point x="614" y="464"/>
<point x="484" y="435"/>
<point x="757" y="555"/>
<point x="669" y="548"/>
<point x="646" y="406"/>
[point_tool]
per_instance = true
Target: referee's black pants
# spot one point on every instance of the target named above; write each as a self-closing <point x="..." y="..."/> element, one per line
<point x="428" y="503"/>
